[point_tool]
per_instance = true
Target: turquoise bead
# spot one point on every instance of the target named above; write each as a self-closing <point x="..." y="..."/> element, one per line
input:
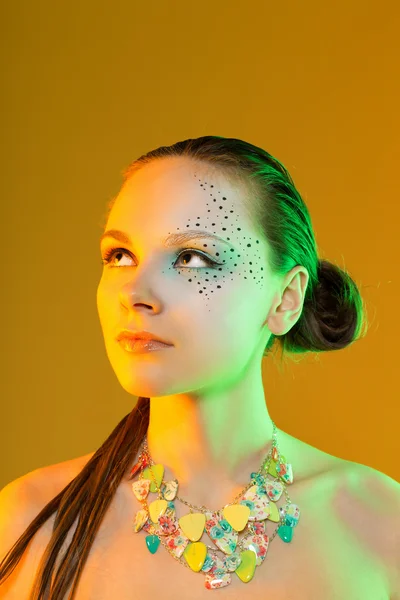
<point x="290" y="521"/>
<point x="152" y="541"/>
<point x="285" y="533"/>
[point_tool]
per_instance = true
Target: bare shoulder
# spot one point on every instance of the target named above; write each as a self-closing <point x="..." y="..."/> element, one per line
<point x="50" y="480"/>
<point x="21" y="501"/>
<point x="367" y="502"/>
<point x="382" y="486"/>
<point x="58" y="475"/>
<point x="25" y="496"/>
<point x="380" y="495"/>
<point x="363" y="481"/>
<point x="374" y="494"/>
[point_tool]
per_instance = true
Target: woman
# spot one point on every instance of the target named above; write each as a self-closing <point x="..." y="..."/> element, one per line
<point x="209" y="247"/>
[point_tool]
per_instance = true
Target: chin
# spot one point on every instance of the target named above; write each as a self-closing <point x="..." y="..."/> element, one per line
<point x="137" y="385"/>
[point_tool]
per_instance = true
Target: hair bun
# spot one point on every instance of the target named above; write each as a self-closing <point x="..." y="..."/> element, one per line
<point x="331" y="313"/>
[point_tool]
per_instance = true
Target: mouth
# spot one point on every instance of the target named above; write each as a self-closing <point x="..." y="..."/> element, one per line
<point x="136" y="336"/>
<point x="139" y="346"/>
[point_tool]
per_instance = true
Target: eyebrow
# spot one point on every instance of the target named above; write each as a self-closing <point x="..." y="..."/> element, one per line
<point x="173" y="239"/>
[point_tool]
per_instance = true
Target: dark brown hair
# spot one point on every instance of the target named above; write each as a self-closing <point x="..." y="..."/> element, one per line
<point x="332" y="318"/>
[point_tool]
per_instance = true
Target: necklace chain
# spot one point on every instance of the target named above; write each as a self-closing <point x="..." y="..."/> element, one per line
<point x="203" y="508"/>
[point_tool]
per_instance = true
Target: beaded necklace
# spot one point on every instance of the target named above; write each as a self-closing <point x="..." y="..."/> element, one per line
<point x="246" y="514"/>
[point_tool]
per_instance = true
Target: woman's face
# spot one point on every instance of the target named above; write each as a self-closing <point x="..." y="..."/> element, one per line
<point x="212" y="312"/>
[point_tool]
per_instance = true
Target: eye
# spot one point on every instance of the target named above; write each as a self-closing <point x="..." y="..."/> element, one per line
<point x="109" y="256"/>
<point x="209" y="261"/>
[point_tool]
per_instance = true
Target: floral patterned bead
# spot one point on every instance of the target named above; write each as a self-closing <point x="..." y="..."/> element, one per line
<point x="258" y="478"/>
<point x="248" y="503"/>
<point x="225" y="526"/>
<point x="219" y="572"/>
<point x="208" y="563"/>
<point x="217" y="533"/>
<point x="233" y="561"/>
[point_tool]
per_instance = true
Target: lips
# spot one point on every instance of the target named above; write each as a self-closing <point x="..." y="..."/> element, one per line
<point x="140" y="335"/>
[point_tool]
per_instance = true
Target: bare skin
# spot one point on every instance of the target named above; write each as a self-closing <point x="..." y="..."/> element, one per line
<point x="208" y="415"/>
<point x="344" y="546"/>
<point x="209" y="423"/>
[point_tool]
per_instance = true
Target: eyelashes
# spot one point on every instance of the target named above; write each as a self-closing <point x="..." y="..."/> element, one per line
<point x="109" y="254"/>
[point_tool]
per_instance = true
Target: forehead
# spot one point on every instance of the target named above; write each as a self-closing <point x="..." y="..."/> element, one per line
<point x="176" y="192"/>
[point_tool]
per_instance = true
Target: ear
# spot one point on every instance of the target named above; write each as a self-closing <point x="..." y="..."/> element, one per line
<point x="287" y="303"/>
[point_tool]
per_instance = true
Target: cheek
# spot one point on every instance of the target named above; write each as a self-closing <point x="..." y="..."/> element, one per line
<point x="214" y="289"/>
<point x="224" y="321"/>
<point x="236" y="323"/>
<point x="205" y="311"/>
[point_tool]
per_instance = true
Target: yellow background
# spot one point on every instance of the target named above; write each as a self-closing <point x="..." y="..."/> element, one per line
<point x="89" y="86"/>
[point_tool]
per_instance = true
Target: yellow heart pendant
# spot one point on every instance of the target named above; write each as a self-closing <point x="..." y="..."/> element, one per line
<point x="156" y="509"/>
<point x="195" y="555"/>
<point x="192" y="525"/>
<point x="237" y="515"/>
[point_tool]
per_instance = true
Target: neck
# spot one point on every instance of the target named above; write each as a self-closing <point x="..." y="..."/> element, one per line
<point x="212" y="439"/>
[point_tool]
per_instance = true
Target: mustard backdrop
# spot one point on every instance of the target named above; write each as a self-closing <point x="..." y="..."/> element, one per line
<point x="87" y="87"/>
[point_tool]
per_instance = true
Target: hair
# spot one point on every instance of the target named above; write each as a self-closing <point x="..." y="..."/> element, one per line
<point x="332" y="317"/>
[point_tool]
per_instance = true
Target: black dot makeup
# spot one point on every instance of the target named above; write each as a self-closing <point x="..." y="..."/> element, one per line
<point x="221" y="217"/>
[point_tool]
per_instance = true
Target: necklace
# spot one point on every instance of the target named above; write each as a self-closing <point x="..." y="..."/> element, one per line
<point x="247" y="514"/>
